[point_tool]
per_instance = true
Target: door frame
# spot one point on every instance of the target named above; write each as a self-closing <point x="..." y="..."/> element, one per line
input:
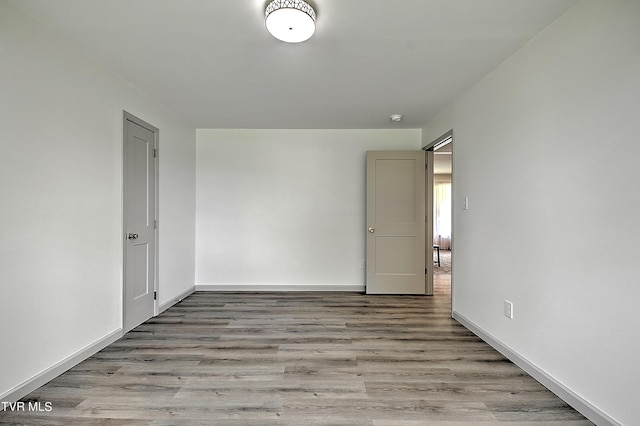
<point x="126" y="116"/>
<point x="433" y="146"/>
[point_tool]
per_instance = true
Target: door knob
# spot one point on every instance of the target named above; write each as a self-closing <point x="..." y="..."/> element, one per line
<point x="132" y="236"/>
<point x="371" y="230"/>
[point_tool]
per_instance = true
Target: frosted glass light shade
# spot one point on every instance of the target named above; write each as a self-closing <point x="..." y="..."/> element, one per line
<point x="291" y="21"/>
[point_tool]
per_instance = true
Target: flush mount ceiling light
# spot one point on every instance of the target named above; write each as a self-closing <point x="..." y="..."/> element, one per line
<point x="396" y="117"/>
<point x="292" y="21"/>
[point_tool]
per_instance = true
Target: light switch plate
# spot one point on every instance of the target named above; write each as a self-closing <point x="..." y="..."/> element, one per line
<point x="508" y="309"/>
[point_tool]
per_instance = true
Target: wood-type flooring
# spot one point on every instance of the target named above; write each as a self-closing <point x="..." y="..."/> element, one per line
<point x="298" y="359"/>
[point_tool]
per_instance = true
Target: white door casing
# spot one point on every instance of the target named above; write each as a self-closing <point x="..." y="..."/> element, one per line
<point x="140" y="185"/>
<point x="395" y="222"/>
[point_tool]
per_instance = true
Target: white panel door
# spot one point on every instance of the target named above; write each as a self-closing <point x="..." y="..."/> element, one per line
<point x="139" y="222"/>
<point x="396" y="222"/>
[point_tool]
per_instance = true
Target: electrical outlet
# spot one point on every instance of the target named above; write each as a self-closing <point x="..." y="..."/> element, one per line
<point x="363" y="265"/>
<point x="508" y="309"/>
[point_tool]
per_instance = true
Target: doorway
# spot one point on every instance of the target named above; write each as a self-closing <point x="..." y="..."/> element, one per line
<point x="140" y="186"/>
<point x="441" y="212"/>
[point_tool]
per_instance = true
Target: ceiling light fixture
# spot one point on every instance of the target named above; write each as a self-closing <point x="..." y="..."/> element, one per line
<point x="292" y="21"/>
<point x="396" y="117"/>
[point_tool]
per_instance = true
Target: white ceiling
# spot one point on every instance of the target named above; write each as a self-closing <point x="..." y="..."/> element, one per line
<point x="213" y="63"/>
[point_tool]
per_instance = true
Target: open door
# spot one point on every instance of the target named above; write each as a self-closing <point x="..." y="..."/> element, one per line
<point x="396" y="222"/>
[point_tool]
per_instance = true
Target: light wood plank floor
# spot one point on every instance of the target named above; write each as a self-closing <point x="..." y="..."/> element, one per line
<point x="299" y="359"/>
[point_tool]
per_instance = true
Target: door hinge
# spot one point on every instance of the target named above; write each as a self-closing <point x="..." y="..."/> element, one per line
<point x="155" y="295"/>
<point x="426" y="271"/>
<point x="155" y="152"/>
<point x="155" y="224"/>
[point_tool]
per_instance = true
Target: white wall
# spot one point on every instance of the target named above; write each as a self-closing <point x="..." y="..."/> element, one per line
<point x="61" y="200"/>
<point x="546" y="148"/>
<point x="177" y="215"/>
<point x="285" y="207"/>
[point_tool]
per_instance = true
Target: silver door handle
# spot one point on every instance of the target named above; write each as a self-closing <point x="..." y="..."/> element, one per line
<point x="371" y="230"/>
<point x="132" y="236"/>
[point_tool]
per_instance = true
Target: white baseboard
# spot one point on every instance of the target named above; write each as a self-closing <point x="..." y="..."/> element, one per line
<point x="576" y="401"/>
<point x="42" y="378"/>
<point x="166" y="305"/>
<point x="360" y="288"/>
